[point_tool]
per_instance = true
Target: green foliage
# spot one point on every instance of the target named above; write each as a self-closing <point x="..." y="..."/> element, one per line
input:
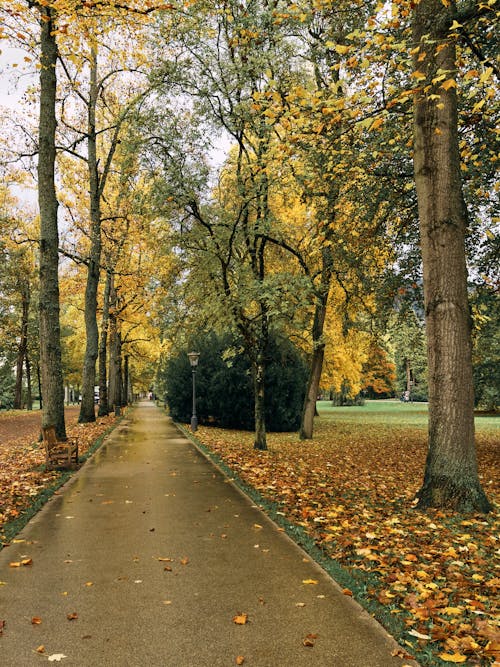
<point x="224" y="385"/>
<point x="408" y="340"/>
<point x="486" y="351"/>
<point x="6" y="386"/>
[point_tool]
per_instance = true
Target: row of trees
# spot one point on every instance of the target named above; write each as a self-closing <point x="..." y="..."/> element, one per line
<point x="342" y="118"/>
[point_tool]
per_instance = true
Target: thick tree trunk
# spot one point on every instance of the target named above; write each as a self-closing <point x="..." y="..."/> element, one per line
<point x="451" y="477"/>
<point x="87" y="408"/>
<point x="50" y="343"/>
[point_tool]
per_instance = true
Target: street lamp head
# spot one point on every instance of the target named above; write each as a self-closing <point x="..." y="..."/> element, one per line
<point x="193" y="358"/>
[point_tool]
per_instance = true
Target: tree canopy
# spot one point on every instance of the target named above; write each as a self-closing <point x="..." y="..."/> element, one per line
<point x="321" y="171"/>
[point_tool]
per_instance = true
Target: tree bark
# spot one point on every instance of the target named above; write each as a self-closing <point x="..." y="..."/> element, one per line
<point x="29" y="393"/>
<point x="115" y="365"/>
<point x="22" y="349"/>
<point x="318" y="352"/>
<point x="87" y="408"/>
<point x="103" y="349"/>
<point x="260" y="441"/>
<point x="451" y="477"/>
<point x="50" y="343"/>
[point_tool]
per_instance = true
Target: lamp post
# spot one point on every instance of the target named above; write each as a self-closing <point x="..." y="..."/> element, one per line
<point x="193" y="360"/>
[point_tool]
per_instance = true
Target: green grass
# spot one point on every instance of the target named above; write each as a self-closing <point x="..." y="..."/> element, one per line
<point x="393" y="412"/>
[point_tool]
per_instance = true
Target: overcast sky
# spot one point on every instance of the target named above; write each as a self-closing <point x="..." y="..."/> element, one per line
<point x="13" y="80"/>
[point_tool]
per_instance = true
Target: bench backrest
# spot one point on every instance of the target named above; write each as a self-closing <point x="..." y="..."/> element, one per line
<point x="49" y="435"/>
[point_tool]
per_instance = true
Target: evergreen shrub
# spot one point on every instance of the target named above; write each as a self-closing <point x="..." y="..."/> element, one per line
<point x="224" y="387"/>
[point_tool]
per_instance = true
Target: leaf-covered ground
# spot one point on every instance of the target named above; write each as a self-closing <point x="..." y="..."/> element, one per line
<point x="22" y="471"/>
<point x="351" y="489"/>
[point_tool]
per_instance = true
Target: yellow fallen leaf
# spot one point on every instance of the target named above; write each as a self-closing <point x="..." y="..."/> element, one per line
<point x="240" y="660"/>
<point x="240" y="619"/>
<point x="40" y="649"/>
<point x="456" y="657"/>
<point x="449" y="83"/>
<point x="309" y="581"/>
<point x="15" y="564"/>
<point x="453" y="611"/>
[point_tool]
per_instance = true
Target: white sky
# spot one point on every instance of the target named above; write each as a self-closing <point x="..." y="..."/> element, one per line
<point x="12" y="79"/>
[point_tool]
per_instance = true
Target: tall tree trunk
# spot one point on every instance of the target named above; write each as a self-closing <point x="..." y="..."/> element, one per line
<point x="29" y="393"/>
<point x="103" y="349"/>
<point x="451" y="477"/>
<point x="126" y="381"/>
<point x="22" y="354"/>
<point x="50" y="334"/>
<point x="87" y="408"/>
<point x="260" y="441"/>
<point x="318" y="352"/>
<point x="115" y="370"/>
<point x="22" y="349"/>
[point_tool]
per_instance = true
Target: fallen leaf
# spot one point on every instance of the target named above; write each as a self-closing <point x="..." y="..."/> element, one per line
<point x="300" y="604"/>
<point x="40" y="649"/>
<point x="167" y="568"/>
<point x="166" y="560"/>
<point x="89" y="583"/>
<point x="240" y="619"/>
<point x="418" y="635"/>
<point x="72" y="616"/>
<point x="15" y="564"/>
<point x="2" y="626"/>
<point x="309" y="640"/>
<point x="257" y="526"/>
<point x="36" y="620"/>
<point x="401" y="653"/>
<point x="167" y="601"/>
<point x="309" y="581"/>
<point x="185" y="560"/>
<point x="240" y="660"/>
<point x="56" y="657"/>
<point x="455" y="657"/>
<point x="347" y="591"/>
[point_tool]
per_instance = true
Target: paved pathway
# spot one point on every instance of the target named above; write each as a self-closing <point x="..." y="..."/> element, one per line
<point x="147" y="556"/>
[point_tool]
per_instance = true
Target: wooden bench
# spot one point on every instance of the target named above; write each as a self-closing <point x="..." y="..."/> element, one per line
<point x="59" y="453"/>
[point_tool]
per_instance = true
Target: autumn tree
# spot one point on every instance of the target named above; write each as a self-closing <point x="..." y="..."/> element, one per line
<point x="451" y="476"/>
<point x="232" y="72"/>
<point x="97" y="84"/>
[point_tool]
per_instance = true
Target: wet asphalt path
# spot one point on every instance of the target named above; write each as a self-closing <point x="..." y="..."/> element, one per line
<point x="147" y="556"/>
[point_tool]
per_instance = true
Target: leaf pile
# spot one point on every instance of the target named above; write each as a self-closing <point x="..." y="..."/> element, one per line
<point x="351" y="489"/>
<point x="22" y="467"/>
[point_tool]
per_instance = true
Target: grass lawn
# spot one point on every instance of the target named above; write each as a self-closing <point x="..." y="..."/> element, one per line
<point x="394" y="412"/>
<point x="347" y="496"/>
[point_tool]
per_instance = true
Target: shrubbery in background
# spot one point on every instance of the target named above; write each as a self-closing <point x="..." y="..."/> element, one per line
<point x="224" y="384"/>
